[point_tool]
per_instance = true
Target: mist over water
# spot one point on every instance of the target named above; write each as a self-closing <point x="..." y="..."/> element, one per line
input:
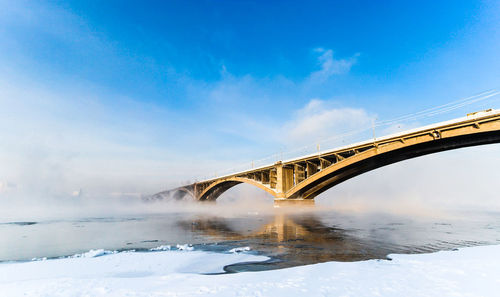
<point x="463" y="179"/>
<point x="291" y="236"/>
<point x="420" y="205"/>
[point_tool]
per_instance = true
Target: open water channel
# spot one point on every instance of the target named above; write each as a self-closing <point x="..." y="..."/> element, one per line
<point x="290" y="237"/>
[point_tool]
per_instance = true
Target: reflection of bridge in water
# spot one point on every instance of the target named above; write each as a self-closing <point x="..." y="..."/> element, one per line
<point x="300" y="238"/>
<point x="304" y="178"/>
<point x="296" y="239"/>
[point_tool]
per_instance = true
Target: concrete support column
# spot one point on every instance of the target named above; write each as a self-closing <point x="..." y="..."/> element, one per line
<point x="273" y="178"/>
<point x="284" y="179"/>
<point x="311" y="169"/>
<point x="300" y="173"/>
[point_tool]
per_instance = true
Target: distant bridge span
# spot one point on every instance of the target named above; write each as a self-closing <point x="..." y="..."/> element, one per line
<point x="306" y="177"/>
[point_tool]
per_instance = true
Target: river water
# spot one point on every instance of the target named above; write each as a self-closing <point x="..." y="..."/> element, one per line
<point x="290" y="236"/>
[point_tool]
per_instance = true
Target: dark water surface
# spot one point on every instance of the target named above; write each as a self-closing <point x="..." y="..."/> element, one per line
<point x="290" y="238"/>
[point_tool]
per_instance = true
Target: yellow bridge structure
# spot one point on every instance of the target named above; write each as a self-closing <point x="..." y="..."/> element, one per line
<point x="302" y="179"/>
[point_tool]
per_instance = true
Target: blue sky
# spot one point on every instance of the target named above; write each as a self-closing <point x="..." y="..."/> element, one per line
<point x="143" y="92"/>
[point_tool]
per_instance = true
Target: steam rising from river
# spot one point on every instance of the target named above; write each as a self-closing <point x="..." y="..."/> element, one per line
<point x="75" y="158"/>
<point x="435" y="185"/>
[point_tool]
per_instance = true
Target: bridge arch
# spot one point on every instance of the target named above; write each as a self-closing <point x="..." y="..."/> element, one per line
<point x="308" y="176"/>
<point x="373" y="159"/>
<point x="182" y="192"/>
<point x="215" y="189"/>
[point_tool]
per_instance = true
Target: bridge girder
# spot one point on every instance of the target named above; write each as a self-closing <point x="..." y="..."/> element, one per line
<point x="305" y="178"/>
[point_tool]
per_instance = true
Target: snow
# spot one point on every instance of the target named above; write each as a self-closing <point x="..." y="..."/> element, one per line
<point x="239" y="249"/>
<point x="93" y="254"/>
<point x="185" y="247"/>
<point x="467" y="272"/>
<point x="162" y="248"/>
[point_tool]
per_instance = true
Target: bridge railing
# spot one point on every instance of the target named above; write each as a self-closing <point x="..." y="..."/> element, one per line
<point x="378" y="128"/>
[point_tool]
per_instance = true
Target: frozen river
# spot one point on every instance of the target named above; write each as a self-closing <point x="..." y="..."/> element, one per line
<point x="289" y="237"/>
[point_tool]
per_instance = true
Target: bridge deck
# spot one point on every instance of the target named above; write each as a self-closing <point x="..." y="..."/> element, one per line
<point x="307" y="176"/>
<point x="404" y="134"/>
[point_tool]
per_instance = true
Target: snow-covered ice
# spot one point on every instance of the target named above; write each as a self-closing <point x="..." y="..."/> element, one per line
<point x="185" y="247"/>
<point x="467" y="272"/>
<point x="239" y="249"/>
<point x="92" y="254"/>
<point x="162" y="248"/>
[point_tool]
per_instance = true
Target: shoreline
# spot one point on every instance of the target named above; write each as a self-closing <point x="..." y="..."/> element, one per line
<point x="469" y="271"/>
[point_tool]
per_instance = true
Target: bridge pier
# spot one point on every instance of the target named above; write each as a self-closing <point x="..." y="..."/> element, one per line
<point x="284" y="180"/>
<point x="293" y="202"/>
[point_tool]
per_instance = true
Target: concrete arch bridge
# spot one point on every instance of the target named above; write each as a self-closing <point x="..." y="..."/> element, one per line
<point x="302" y="179"/>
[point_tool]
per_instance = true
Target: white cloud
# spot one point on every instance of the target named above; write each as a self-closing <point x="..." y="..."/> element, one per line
<point x="318" y="120"/>
<point x="330" y="66"/>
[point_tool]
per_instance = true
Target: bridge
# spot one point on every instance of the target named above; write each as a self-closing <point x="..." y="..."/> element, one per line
<point x="301" y="179"/>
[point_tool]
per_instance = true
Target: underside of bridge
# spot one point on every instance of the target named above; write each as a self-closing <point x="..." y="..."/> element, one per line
<point x="305" y="178"/>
